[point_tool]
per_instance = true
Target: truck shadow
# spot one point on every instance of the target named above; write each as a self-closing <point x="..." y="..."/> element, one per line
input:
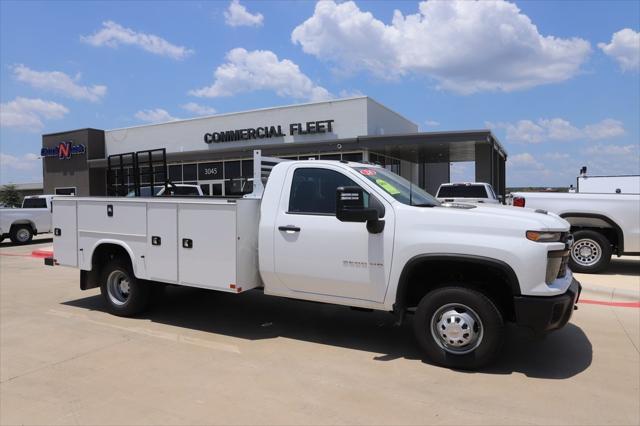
<point x="255" y="316"/>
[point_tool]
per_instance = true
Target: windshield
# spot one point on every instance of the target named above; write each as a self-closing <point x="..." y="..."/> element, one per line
<point x="398" y="187"/>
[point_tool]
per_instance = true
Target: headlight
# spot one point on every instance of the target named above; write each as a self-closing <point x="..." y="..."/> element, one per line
<point x="544" y="237"/>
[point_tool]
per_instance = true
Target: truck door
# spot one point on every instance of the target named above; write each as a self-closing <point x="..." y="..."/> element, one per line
<point x="316" y="253"/>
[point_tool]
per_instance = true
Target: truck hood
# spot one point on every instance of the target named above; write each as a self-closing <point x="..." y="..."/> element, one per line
<point x="535" y="220"/>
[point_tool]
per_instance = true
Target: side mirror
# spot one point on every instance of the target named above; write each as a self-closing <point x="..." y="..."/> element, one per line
<point x="350" y="207"/>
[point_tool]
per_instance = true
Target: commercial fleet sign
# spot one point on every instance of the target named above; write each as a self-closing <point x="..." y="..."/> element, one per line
<point x="63" y="151"/>
<point x="308" y="128"/>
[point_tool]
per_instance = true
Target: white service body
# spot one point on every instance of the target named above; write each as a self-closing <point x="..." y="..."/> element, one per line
<point x="608" y="184"/>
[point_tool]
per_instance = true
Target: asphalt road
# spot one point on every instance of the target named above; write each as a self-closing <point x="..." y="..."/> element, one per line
<point x="202" y="357"/>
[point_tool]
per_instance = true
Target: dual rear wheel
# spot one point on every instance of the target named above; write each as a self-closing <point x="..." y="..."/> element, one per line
<point x="124" y="294"/>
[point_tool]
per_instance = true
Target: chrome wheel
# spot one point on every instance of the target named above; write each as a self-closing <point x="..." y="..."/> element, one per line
<point x="23" y="235"/>
<point x="586" y="252"/>
<point x="118" y="287"/>
<point x="456" y="328"/>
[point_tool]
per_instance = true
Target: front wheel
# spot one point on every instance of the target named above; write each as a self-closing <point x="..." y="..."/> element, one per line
<point x="590" y="252"/>
<point x="458" y="328"/>
<point x="124" y="293"/>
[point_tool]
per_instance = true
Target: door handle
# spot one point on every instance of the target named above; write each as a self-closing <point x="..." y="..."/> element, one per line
<point x="289" y="228"/>
<point x="187" y="243"/>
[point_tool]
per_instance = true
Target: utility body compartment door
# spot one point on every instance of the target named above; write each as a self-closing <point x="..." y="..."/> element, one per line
<point x="162" y="237"/>
<point x="207" y="245"/>
<point x="65" y="232"/>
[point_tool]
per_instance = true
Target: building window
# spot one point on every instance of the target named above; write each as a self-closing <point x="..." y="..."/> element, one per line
<point x="247" y="168"/>
<point x="189" y="172"/>
<point x="210" y="171"/>
<point x="232" y="169"/>
<point x="65" y="191"/>
<point x="175" y="173"/>
<point x="353" y="156"/>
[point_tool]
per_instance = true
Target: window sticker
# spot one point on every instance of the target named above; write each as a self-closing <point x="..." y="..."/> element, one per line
<point x="368" y="172"/>
<point x="387" y="187"/>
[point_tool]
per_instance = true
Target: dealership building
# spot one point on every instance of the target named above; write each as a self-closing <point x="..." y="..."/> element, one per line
<point x="216" y="151"/>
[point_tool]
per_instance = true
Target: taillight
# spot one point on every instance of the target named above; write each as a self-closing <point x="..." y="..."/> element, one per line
<point x="518" y="201"/>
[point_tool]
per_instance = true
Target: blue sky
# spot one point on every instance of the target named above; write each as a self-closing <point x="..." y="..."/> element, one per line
<point x="558" y="82"/>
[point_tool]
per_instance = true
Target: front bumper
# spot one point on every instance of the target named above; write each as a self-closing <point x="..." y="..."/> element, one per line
<point x="543" y="314"/>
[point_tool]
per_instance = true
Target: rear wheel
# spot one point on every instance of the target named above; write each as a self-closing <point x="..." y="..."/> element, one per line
<point x="458" y="328"/>
<point x="21" y="234"/>
<point x="124" y="293"/>
<point x="590" y="252"/>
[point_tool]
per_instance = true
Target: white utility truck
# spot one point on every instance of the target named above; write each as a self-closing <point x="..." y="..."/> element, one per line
<point x="34" y="218"/>
<point x="346" y="233"/>
<point x="467" y="192"/>
<point x="602" y="223"/>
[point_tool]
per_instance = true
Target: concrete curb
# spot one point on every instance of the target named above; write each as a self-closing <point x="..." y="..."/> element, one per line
<point x="609" y="293"/>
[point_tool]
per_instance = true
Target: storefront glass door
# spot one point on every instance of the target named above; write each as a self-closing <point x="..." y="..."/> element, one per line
<point x="212" y="188"/>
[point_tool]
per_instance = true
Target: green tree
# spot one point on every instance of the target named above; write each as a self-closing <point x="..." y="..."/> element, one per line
<point x="9" y="196"/>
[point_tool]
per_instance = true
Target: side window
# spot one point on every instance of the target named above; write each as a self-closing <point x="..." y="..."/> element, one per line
<point x="314" y="190"/>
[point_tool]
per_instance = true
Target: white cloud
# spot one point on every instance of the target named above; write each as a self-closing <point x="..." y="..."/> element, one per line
<point x="113" y="34"/>
<point x="26" y="162"/>
<point x="247" y="71"/>
<point x="157" y="115"/>
<point x="624" y="48"/>
<point x="432" y="123"/>
<point x="59" y="82"/>
<point x="28" y="113"/>
<point x="607" y="128"/>
<point x="557" y="156"/>
<point x="467" y="46"/>
<point x="198" y="109"/>
<point x="237" y="15"/>
<point x="613" y="150"/>
<point x="524" y="161"/>
<point x="557" y="129"/>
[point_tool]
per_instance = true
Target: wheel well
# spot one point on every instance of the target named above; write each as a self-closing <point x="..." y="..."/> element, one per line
<point x="101" y="256"/>
<point x="597" y="223"/>
<point x="16" y="224"/>
<point x="495" y="280"/>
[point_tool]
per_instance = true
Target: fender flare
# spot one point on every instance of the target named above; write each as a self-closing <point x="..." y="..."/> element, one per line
<point x="117" y="243"/>
<point x="401" y="292"/>
<point x="616" y="228"/>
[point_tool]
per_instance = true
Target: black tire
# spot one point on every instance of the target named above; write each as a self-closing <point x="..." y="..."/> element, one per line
<point x="21" y="234"/>
<point x="475" y="354"/>
<point x="590" y="253"/>
<point x="119" y="302"/>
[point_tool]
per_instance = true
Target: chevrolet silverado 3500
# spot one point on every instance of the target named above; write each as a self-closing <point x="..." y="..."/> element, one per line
<point x="351" y="234"/>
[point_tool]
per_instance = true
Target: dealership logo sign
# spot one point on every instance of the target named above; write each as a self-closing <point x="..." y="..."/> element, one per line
<point x="63" y="151"/>
<point x="308" y="128"/>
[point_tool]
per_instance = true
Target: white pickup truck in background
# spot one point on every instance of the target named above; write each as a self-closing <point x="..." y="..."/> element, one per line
<point x="467" y="192"/>
<point x="21" y="224"/>
<point x="334" y="232"/>
<point x="602" y="224"/>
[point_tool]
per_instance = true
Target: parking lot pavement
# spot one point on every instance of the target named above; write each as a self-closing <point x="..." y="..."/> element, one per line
<point x="203" y="357"/>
